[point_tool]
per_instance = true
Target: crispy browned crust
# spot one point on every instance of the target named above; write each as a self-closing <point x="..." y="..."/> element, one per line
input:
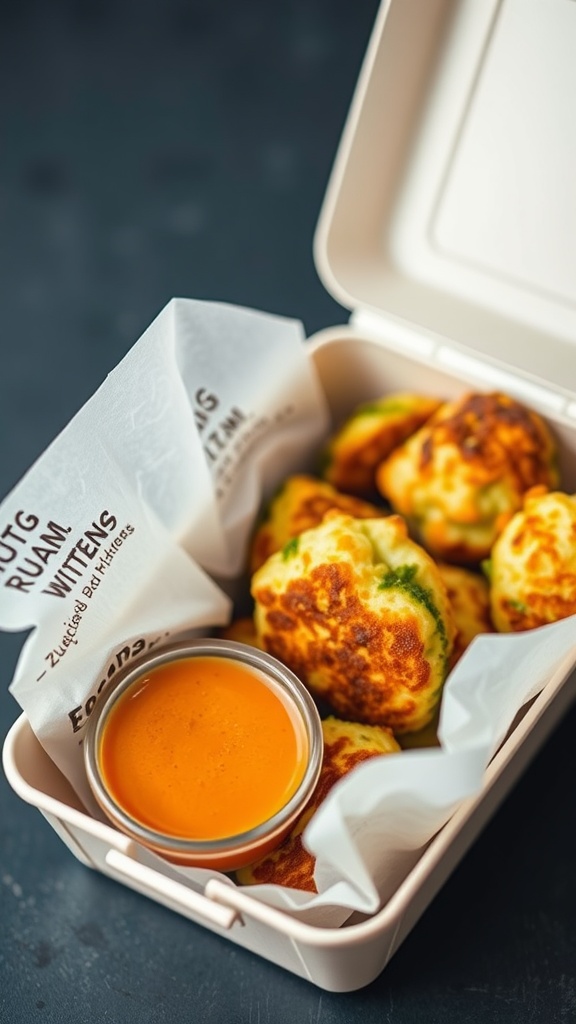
<point x="300" y="504"/>
<point x="370" y="435"/>
<point x="534" y="564"/>
<point x="493" y="434"/>
<point x="463" y="474"/>
<point x="370" y="637"/>
<point x="370" y="664"/>
<point x="346" y="745"/>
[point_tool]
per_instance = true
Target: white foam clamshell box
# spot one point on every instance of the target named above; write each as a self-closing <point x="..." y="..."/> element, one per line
<point x="449" y="230"/>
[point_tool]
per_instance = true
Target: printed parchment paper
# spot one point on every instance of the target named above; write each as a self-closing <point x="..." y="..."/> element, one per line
<point x="109" y="544"/>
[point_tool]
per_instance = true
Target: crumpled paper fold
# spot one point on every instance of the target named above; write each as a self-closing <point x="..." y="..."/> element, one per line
<point x="112" y="542"/>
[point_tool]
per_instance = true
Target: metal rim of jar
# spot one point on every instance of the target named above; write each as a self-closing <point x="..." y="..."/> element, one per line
<point x="250" y="656"/>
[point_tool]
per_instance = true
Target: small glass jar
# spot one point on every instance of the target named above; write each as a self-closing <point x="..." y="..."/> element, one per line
<point x="206" y="752"/>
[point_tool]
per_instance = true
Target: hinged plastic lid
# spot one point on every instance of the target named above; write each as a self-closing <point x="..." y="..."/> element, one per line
<point x="452" y="205"/>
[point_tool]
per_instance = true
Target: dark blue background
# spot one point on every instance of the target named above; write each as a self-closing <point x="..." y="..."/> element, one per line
<point x="152" y="149"/>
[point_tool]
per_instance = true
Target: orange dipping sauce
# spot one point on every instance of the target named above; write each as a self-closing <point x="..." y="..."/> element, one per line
<point x="202" y="748"/>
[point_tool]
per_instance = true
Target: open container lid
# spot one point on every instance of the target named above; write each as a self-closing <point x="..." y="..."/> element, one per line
<point x="451" y="210"/>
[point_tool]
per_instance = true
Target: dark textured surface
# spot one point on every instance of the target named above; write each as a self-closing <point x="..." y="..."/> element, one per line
<point x="159" y="149"/>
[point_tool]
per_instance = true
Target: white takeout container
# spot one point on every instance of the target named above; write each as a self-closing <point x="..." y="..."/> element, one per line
<point x="449" y="230"/>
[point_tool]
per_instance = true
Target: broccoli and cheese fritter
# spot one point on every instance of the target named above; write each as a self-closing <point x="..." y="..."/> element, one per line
<point x="346" y="745"/>
<point x="360" y="612"/>
<point x="370" y="435"/>
<point x="533" y="564"/>
<point x="300" y="504"/>
<point x="469" y="596"/>
<point x="464" y="473"/>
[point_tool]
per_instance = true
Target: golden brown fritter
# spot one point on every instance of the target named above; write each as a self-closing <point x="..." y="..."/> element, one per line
<point x="346" y="745"/>
<point x="370" y="435"/>
<point x="464" y="473"/>
<point x="298" y="505"/>
<point x="533" y="564"/>
<point x="360" y="612"/>
<point x="469" y="596"/>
